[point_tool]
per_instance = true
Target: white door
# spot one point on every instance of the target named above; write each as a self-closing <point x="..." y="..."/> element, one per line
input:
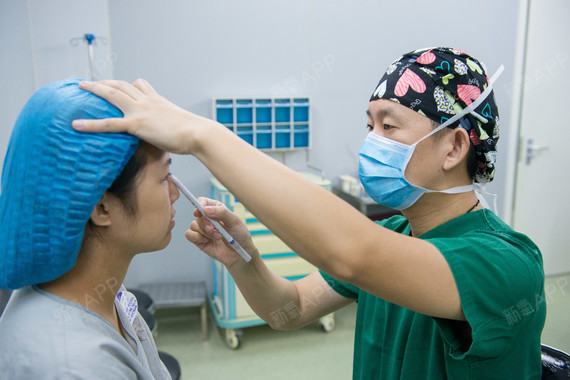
<point x="542" y="193"/>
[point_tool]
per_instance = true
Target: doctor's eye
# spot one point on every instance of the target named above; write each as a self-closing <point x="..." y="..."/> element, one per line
<point x="369" y="127"/>
<point x="387" y="127"/>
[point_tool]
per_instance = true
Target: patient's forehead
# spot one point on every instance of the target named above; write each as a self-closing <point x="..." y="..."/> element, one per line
<point x="157" y="156"/>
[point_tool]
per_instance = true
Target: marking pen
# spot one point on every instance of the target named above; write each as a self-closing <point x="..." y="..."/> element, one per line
<point x="231" y="241"/>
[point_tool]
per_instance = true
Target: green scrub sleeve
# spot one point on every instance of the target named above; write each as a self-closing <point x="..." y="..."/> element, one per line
<point x="342" y="288"/>
<point x="501" y="286"/>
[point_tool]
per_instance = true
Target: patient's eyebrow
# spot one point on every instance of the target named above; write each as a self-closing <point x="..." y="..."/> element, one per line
<point x="167" y="162"/>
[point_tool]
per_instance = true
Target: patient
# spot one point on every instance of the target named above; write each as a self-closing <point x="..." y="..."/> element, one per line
<point x="75" y="209"/>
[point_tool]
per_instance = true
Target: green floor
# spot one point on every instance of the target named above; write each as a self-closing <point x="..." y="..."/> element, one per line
<point x="306" y="353"/>
<point x="556" y="331"/>
<point x="264" y="353"/>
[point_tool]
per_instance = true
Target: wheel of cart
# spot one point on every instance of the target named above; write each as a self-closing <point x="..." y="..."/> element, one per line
<point x="327" y="322"/>
<point x="233" y="338"/>
<point x="230" y="328"/>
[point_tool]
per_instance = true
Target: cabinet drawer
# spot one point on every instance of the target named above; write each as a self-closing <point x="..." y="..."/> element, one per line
<point x="286" y="267"/>
<point x="269" y="244"/>
<point x="290" y="266"/>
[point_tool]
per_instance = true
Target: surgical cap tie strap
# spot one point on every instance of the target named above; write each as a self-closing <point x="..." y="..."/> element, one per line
<point x="480" y="189"/>
<point x="470" y="107"/>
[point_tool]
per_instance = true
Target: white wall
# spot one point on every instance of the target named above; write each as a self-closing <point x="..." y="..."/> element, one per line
<point x="35" y="49"/>
<point x="191" y="51"/>
<point x="16" y="67"/>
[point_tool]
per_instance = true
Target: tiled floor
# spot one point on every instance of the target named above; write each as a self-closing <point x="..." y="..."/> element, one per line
<point x="308" y="353"/>
<point x="556" y="331"/>
<point x="264" y="354"/>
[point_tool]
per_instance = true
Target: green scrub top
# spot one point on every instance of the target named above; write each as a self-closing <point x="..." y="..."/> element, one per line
<point x="500" y="279"/>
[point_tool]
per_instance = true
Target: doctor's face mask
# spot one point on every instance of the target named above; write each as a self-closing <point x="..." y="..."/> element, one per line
<point x="433" y="83"/>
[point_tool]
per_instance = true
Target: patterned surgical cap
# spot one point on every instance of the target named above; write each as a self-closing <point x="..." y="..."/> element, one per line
<point x="440" y="82"/>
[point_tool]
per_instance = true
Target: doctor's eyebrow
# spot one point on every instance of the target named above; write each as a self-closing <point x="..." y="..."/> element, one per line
<point x="381" y="113"/>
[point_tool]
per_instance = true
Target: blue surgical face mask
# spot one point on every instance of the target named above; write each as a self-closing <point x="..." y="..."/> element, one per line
<point x="382" y="167"/>
<point x="383" y="162"/>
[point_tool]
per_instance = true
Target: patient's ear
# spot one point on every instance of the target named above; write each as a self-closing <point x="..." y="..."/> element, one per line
<point x="100" y="215"/>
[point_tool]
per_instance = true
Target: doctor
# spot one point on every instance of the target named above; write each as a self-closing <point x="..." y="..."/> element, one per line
<point x="445" y="291"/>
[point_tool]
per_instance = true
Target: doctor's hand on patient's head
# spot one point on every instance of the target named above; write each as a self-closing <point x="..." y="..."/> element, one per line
<point x="205" y="237"/>
<point x="147" y="115"/>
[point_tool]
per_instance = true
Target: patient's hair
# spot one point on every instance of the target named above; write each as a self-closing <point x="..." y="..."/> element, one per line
<point x="124" y="185"/>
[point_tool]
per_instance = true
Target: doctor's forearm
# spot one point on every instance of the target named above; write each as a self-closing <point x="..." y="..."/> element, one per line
<point x="268" y="294"/>
<point x="312" y="221"/>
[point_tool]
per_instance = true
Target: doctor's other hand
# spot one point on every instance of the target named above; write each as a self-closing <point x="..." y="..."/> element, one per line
<point x="210" y="241"/>
<point x="147" y="115"/>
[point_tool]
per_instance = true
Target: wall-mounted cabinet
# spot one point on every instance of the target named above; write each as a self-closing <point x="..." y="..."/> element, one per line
<point x="267" y="123"/>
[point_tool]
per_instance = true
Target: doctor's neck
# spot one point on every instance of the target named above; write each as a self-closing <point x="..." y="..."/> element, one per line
<point x="435" y="209"/>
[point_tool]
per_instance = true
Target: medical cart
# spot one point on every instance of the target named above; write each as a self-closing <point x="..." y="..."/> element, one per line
<point x="230" y="310"/>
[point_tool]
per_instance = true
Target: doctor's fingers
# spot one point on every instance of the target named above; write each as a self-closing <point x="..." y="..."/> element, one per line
<point x="206" y="202"/>
<point x="117" y="93"/>
<point x="102" y="125"/>
<point x="221" y="213"/>
<point x="114" y="91"/>
<point x="144" y="87"/>
<point x="218" y="211"/>
<point x="196" y="238"/>
<point x="205" y="227"/>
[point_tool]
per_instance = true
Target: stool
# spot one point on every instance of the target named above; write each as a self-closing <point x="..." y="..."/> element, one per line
<point x="149" y="319"/>
<point x="555" y="363"/>
<point x="171" y="364"/>
<point x="144" y="300"/>
<point x="180" y="295"/>
<point x="168" y="360"/>
<point x="4" y="297"/>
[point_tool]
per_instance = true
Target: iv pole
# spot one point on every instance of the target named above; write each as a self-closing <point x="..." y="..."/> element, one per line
<point x="90" y="39"/>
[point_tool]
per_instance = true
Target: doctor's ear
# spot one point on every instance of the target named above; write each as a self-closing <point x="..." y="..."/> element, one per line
<point x="459" y="145"/>
<point x="100" y="215"/>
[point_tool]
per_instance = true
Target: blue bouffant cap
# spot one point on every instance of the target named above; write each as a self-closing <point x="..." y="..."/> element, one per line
<point x="52" y="179"/>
